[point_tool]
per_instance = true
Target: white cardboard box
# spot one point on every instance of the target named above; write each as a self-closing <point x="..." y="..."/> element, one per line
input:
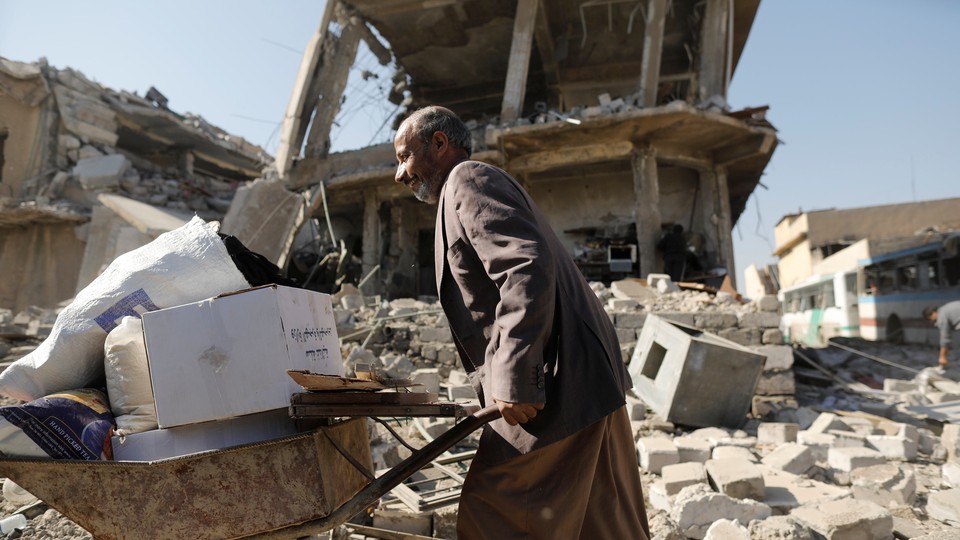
<point x="182" y="440"/>
<point x="228" y="355"/>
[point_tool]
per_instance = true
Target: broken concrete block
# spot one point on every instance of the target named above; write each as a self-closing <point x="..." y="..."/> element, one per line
<point x="846" y="519"/>
<point x="775" y="408"/>
<point x="786" y="491"/>
<point x="779" y="527"/>
<point x="622" y="303"/>
<point x="696" y="508"/>
<point x="848" y="439"/>
<point x="462" y="392"/>
<point x="761" y="319"/>
<point x="656" y="453"/>
<point x="445" y="521"/>
<point x="457" y="377"/>
<point x="884" y="484"/>
<point x="828" y="422"/>
<point x="747" y="337"/>
<point x="736" y="478"/>
<point x="714" y="320"/>
<point x="670" y="367"/>
<point x="725" y="529"/>
<point x="950" y="473"/>
<point x="632" y="289"/>
<point x="733" y="452"/>
<point x="713" y="435"/>
<point x="848" y="459"/>
<point x="768" y="302"/>
<point x="893" y="447"/>
<point x="950" y="439"/>
<point x="681" y="475"/>
<point x="693" y="449"/>
<point x="636" y="409"/>
<point x="778" y="357"/>
<point x="429" y="378"/>
<point x="945" y="506"/>
<point x="631" y="320"/>
<point x="791" y="457"/>
<point x="102" y="171"/>
<point x="771" y="336"/>
<point x="435" y="334"/>
<point x="777" y="432"/>
<point x="658" y="497"/>
<point x="776" y="383"/>
<point x="901" y="386"/>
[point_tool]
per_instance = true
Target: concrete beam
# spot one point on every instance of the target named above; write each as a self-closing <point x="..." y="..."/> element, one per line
<point x="725" y="226"/>
<point x="652" y="52"/>
<point x="302" y="101"/>
<point x="646" y="189"/>
<point x="519" y="63"/>
<point x="371" y="237"/>
<point x="546" y="47"/>
<point x="592" y="153"/>
<point x="338" y="57"/>
<point x="714" y="49"/>
<point x="732" y="153"/>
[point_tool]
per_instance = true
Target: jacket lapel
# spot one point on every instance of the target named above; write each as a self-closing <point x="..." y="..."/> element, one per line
<point x="439" y="243"/>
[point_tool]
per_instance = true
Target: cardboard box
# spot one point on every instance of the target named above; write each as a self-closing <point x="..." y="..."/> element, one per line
<point x="227" y="356"/>
<point x="182" y="440"/>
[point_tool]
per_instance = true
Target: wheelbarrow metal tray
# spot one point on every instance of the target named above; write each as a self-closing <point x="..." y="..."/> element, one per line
<point x="226" y="493"/>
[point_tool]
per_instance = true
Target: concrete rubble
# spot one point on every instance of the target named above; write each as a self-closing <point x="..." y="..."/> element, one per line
<point x="795" y="469"/>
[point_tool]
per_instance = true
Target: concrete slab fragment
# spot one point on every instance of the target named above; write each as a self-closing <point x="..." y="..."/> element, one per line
<point x="693" y="449"/>
<point x="675" y="369"/>
<point x="101" y="171"/>
<point x="696" y="508"/>
<point x="884" y="484"/>
<point x="726" y="529"/>
<point x="791" y="457"/>
<point x="656" y="452"/>
<point x="848" y="459"/>
<point x="777" y="432"/>
<point x="681" y="475"/>
<point x="784" y="491"/>
<point x="736" y="478"/>
<point x="945" y="506"/>
<point x="846" y="519"/>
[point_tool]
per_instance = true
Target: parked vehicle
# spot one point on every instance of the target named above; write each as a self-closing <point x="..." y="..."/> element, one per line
<point x="821" y="307"/>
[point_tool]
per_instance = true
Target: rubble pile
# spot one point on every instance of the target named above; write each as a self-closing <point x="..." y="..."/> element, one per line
<point x="111" y="141"/>
<point x="857" y="452"/>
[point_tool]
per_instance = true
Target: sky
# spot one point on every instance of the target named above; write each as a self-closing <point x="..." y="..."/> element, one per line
<point x="863" y="93"/>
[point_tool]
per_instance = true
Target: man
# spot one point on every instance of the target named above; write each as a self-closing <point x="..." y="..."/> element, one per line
<point x="947" y="319"/>
<point x="534" y="339"/>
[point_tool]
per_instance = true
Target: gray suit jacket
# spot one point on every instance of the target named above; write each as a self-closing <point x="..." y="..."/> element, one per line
<point x="526" y="324"/>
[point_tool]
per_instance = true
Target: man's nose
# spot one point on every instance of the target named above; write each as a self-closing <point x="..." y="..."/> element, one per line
<point x="401" y="174"/>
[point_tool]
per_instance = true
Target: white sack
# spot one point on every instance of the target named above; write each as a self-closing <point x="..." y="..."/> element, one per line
<point x="184" y="265"/>
<point x="128" y="378"/>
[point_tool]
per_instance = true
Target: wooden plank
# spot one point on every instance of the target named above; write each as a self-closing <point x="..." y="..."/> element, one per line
<point x="519" y="63"/>
<point x="652" y="52"/>
<point x="363" y="398"/>
<point x="336" y="410"/>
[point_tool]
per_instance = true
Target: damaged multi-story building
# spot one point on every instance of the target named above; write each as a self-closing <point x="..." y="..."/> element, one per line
<point x="88" y="173"/>
<point x="612" y="113"/>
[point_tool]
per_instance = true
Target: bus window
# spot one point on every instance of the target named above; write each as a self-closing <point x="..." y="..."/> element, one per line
<point x="933" y="274"/>
<point x="951" y="271"/>
<point x="826" y="295"/>
<point x="907" y="278"/>
<point x="850" y="283"/>
<point x="887" y="280"/>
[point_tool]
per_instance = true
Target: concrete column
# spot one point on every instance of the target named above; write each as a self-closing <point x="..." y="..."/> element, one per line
<point x="646" y="190"/>
<point x="725" y="226"/>
<point x="652" y="52"/>
<point x="706" y="217"/>
<point x="520" y="48"/>
<point x="371" y="238"/>
<point x="712" y="74"/>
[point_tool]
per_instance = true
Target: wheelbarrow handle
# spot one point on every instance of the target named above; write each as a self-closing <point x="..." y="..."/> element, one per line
<point x="392" y="478"/>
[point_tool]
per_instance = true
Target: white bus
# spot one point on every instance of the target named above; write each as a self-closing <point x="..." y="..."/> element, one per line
<point x="896" y="287"/>
<point x="819" y="308"/>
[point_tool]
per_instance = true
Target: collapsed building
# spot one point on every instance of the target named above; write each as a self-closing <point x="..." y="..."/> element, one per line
<point x="613" y="115"/>
<point x="88" y="173"/>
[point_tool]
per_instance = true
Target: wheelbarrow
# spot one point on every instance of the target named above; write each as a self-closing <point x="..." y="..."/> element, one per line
<point x="284" y="488"/>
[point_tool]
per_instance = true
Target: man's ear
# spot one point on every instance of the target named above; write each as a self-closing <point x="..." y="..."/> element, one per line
<point x="440" y="141"/>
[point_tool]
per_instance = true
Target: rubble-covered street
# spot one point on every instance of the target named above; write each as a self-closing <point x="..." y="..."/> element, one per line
<point x="837" y="445"/>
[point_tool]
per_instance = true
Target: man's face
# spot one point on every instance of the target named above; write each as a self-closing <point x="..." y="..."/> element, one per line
<point x="418" y="167"/>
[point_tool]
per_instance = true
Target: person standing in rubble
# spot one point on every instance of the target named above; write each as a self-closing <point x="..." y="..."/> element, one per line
<point x="535" y="340"/>
<point x="947" y="319"/>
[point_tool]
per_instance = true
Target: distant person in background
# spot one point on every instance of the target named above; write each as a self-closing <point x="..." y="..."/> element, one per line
<point x="674" y="248"/>
<point x="947" y="319"/>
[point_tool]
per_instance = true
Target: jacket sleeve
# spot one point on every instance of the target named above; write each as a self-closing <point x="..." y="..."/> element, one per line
<point x="506" y="235"/>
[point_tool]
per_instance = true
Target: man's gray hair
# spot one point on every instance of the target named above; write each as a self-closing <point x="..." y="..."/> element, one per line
<point x="429" y="120"/>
